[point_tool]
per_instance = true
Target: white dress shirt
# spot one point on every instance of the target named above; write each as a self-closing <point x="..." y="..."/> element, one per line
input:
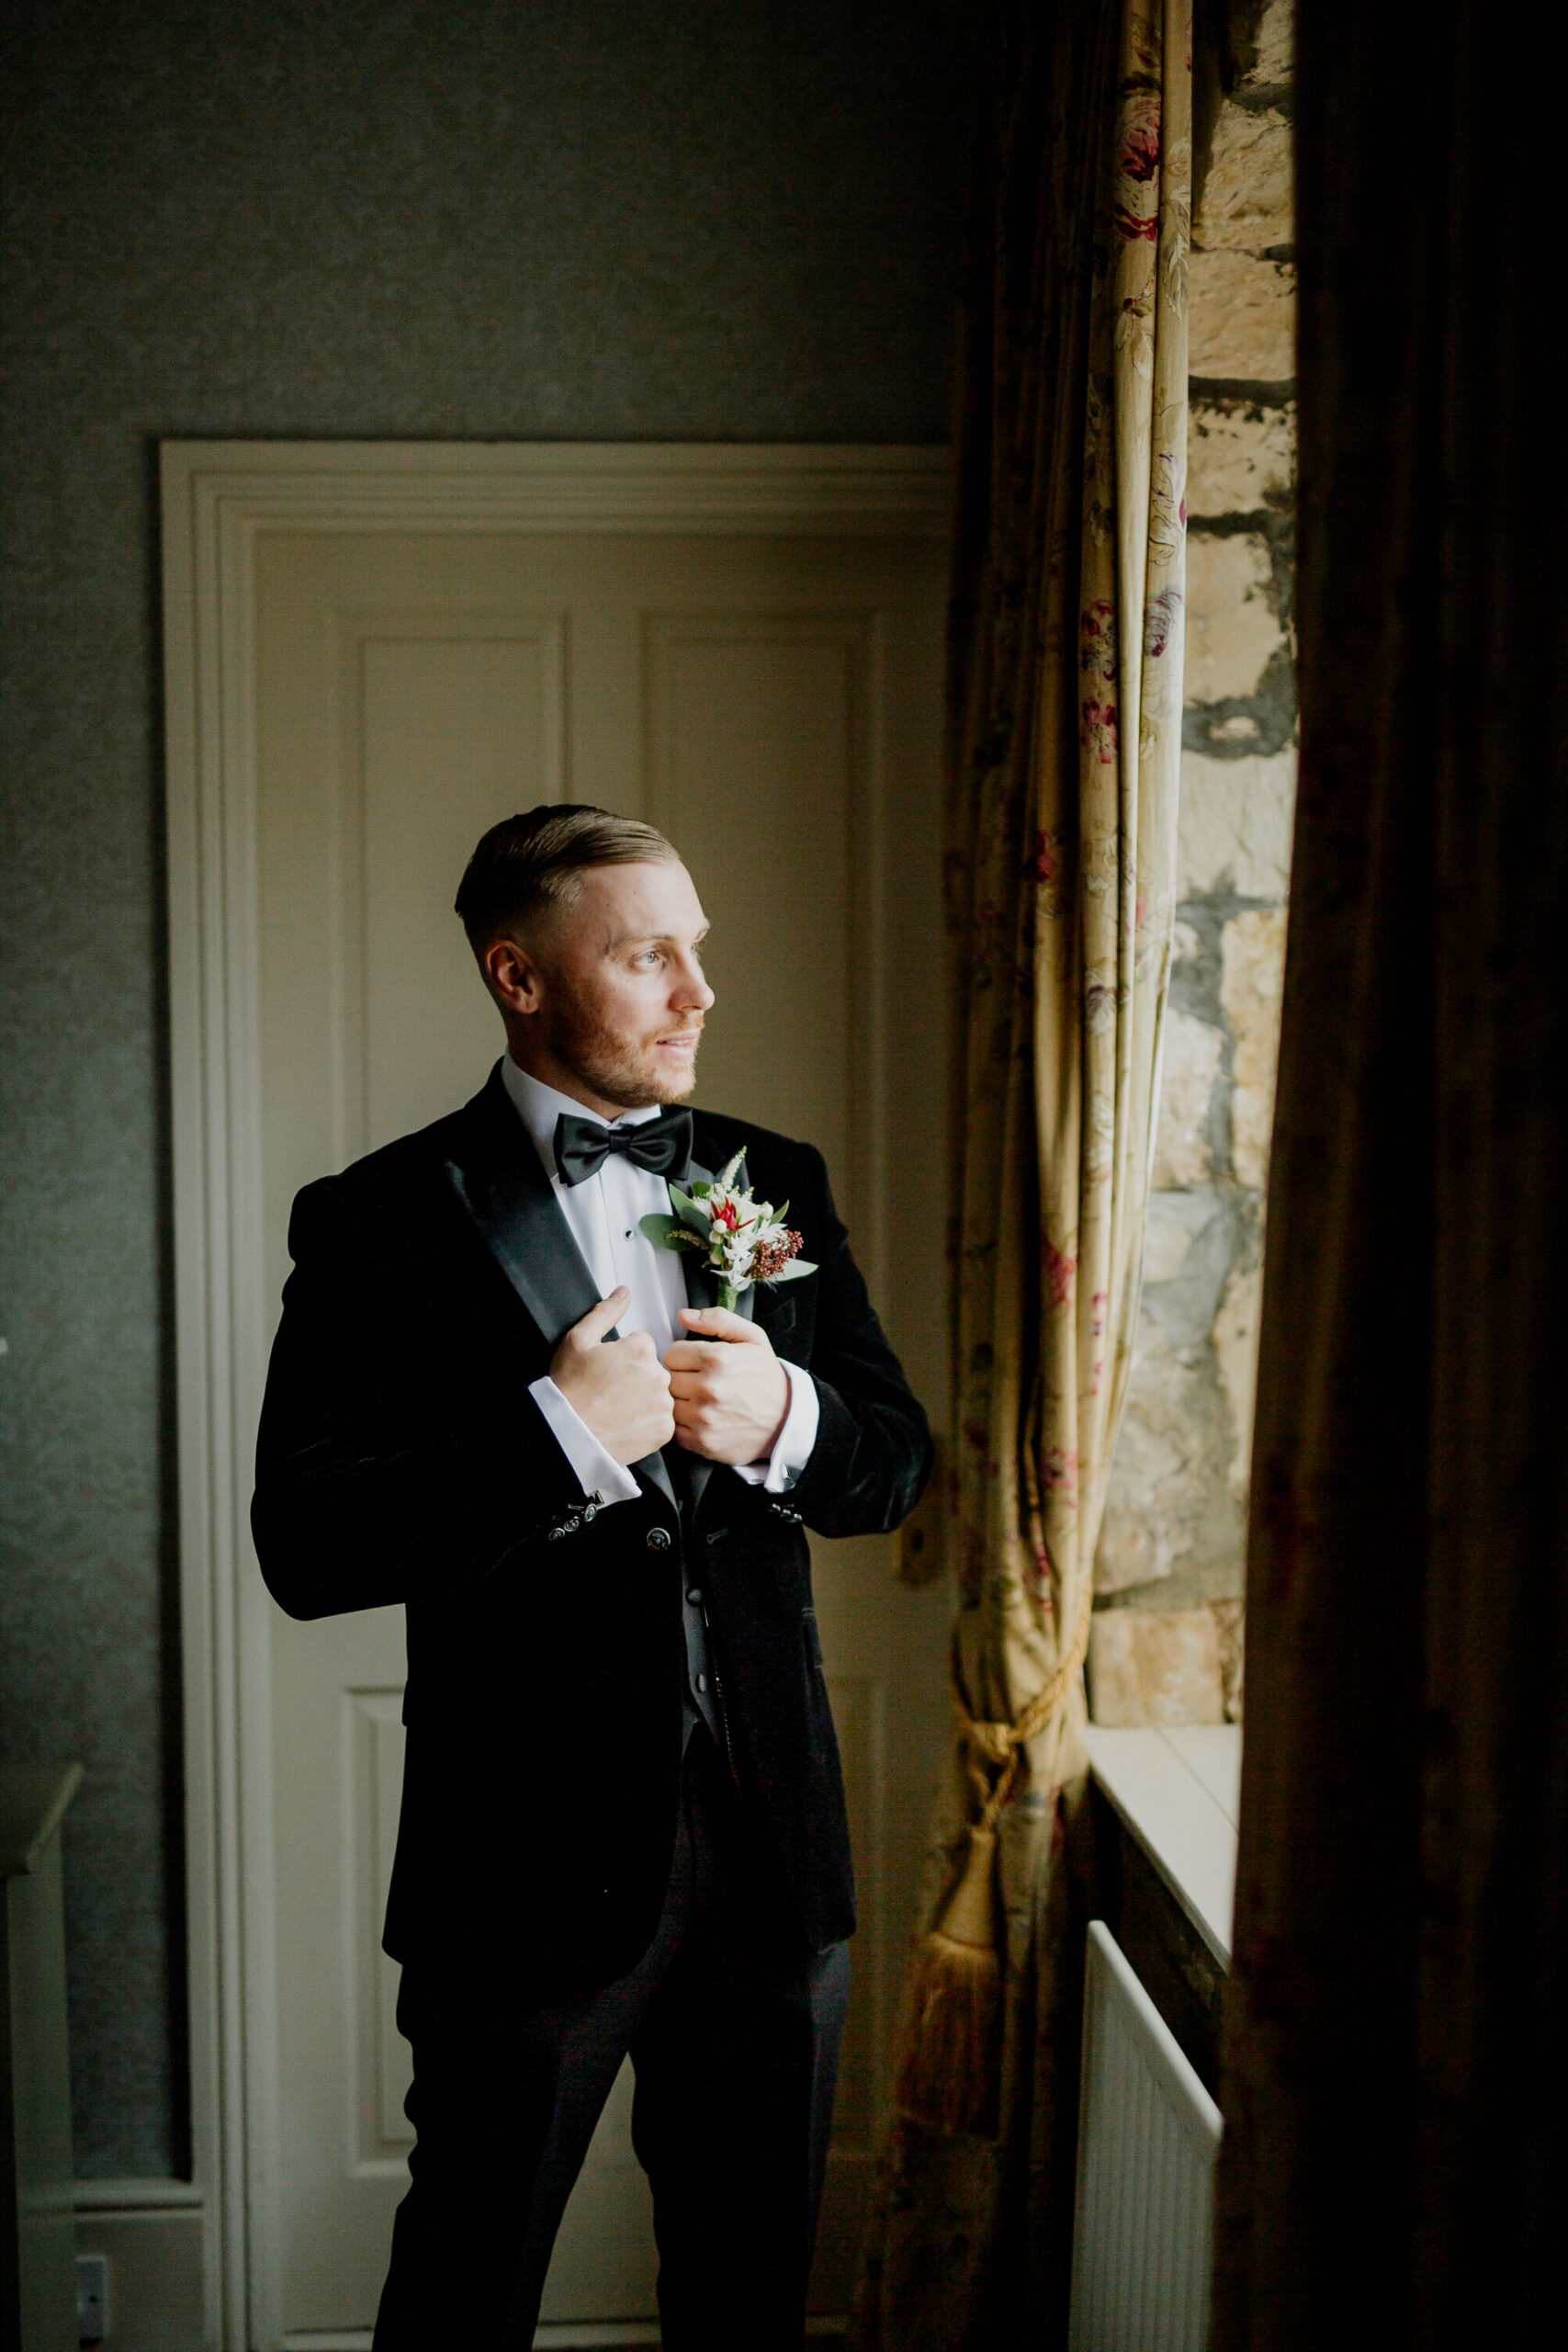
<point x="604" y="1214"/>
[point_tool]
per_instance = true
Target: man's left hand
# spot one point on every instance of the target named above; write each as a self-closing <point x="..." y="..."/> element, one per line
<point x="730" y="1392"/>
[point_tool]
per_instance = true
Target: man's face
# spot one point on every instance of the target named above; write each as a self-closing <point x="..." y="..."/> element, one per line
<point x="622" y="984"/>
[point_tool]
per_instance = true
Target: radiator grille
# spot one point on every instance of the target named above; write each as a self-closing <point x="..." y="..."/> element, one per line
<point x="1147" y="2133"/>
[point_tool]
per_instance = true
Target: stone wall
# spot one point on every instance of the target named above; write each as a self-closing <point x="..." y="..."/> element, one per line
<point x="1167" y="1630"/>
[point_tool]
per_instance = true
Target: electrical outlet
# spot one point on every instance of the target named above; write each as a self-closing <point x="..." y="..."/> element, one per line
<point x="92" y="2298"/>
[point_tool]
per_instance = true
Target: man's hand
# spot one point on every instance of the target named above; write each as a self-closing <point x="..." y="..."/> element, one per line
<point x="731" y="1392"/>
<point x="619" y="1389"/>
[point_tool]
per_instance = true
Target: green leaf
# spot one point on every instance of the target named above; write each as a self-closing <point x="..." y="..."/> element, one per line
<point x="700" y="1191"/>
<point x="668" y="1233"/>
<point x="791" y="1272"/>
<point x="697" y="1220"/>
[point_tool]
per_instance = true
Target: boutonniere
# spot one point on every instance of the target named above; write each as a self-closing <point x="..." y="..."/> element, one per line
<point x="739" y="1238"/>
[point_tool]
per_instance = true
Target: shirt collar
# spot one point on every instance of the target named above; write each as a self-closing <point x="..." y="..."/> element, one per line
<point x="539" y="1106"/>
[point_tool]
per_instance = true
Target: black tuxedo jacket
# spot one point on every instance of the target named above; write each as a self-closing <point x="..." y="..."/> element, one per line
<point x="400" y="1458"/>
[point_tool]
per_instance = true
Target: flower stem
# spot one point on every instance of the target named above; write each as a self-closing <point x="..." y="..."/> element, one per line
<point x="728" y="1296"/>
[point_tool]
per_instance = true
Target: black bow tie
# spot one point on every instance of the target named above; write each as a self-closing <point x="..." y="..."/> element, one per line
<point x="664" y="1144"/>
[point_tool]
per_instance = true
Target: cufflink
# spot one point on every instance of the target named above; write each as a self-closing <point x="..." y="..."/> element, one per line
<point x="572" y="1522"/>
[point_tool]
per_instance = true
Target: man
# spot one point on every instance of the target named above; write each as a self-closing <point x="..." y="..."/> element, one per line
<point x="493" y="1399"/>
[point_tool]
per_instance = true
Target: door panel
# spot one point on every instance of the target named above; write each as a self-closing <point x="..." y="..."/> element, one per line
<point x="450" y="729"/>
<point x="772" y="704"/>
<point x="762" y="718"/>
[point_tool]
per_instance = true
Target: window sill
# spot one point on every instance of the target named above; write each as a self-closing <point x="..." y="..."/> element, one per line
<point x="1175" y="1790"/>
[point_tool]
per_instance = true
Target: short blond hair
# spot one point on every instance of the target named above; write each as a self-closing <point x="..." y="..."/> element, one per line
<point x="528" y="865"/>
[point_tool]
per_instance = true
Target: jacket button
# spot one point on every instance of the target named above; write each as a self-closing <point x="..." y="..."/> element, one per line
<point x="659" y="1539"/>
<point x="694" y="1596"/>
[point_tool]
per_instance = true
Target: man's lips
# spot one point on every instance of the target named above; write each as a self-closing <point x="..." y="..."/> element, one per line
<point x="682" y="1040"/>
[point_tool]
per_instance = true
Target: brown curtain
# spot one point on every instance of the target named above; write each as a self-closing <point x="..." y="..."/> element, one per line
<point x="1064" y="678"/>
<point x="1394" y="2168"/>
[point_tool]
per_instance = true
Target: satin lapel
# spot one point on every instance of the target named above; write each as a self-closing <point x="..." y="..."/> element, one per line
<point x="655" y="1470"/>
<point x="500" y="1181"/>
<point x="702" y="1290"/>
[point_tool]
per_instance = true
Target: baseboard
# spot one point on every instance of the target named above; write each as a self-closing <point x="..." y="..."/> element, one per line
<point x="149" y="2234"/>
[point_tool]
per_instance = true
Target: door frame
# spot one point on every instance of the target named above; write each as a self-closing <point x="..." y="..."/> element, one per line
<point x="219" y="497"/>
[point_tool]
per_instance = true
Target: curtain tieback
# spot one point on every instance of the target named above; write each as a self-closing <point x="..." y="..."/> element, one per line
<point x="948" y="2079"/>
<point x="996" y="1747"/>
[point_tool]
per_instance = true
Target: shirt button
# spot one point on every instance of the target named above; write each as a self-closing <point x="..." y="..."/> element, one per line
<point x="695" y="1598"/>
<point x="659" y="1539"/>
<point x="702" y="1682"/>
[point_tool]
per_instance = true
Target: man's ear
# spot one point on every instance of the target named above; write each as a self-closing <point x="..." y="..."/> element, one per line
<point x="513" y="976"/>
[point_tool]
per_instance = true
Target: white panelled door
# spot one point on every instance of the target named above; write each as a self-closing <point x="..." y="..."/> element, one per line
<point x="772" y="702"/>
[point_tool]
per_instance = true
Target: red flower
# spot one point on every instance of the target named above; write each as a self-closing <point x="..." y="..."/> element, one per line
<point x="1061" y="1272"/>
<point x="769" y="1257"/>
<point x="1096" y="730"/>
<point x="1140" y="156"/>
<point x="1160" y="620"/>
<point x="1130" y="225"/>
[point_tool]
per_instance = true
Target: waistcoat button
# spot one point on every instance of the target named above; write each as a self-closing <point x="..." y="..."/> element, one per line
<point x="659" y="1539"/>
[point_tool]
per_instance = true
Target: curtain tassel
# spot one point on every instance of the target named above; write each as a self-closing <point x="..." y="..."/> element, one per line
<point x="948" y="2079"/>
<point x="950" y="2075"/>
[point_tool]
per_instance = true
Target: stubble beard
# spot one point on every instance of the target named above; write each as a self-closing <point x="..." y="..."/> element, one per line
<point x="617" y="1068"/>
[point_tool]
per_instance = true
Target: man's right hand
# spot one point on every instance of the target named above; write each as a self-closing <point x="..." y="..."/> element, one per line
<point x="619" y="1390"/>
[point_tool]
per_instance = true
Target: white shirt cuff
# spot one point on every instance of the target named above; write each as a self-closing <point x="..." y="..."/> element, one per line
<point x="598" y="1472"/>
<point x="792" y="1447"/>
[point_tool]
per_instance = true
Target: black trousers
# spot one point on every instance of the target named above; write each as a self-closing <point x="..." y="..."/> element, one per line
<point x="733" y="2029"/>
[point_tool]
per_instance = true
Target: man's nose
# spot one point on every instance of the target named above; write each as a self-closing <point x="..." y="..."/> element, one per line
<point x="692" y="992"/>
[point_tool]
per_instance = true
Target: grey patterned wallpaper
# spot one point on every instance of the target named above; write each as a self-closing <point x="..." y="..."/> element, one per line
<point x="496" y="218"/>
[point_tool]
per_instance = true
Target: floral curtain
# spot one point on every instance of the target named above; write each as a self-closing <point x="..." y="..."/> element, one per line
<point x="1065" y="714"/>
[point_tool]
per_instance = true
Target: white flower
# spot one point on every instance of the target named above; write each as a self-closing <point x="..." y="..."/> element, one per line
<point x="742" y="1239"/>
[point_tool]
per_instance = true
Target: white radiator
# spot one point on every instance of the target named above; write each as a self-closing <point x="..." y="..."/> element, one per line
<point x="1147" y="2134"/>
